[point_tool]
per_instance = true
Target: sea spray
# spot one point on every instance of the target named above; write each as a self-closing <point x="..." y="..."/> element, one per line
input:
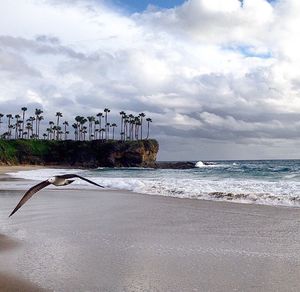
<point x="257" y="182"/>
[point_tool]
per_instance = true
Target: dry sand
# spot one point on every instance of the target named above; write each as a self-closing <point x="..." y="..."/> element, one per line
<point x="90" y="240"/>
<point x="6" y="168"/>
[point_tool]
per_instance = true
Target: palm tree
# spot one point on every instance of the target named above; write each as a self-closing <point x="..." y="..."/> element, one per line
<point x="99" y="115"/>
<point x="113" y="125"/>
<point x="107" y="131"/>
<point x="84" y="131"/>
<point x="51" y="124"/>
<point x="83" y="128"/>
<point x="10" y="117"/>
<point x="126" y="121"/>
<point x="106" y="110"/>
<point x="37" y="113"/>
<point x="130" y="122"/>
<point x="24" y="109"/>
<point x="75" y="131"/>
<point x="102" y="131"/>
<point x="17" y="125"/>
<point x="137" y="123"/>
<point x="95" y="129"/>
<point x="45" y="136"/>
<point x="141" y="115"/>
<point x="58" y="115"/>
<point x="148" y="126"/>
<point x="91" y="119"/>
<point x="31" y="120"/>
<point x="65" y="123"/>
<point x="4" y="135"/>
<point x="137" y="127"/>
<point x="54" y="129"/>
<point x="11" y="127"/>
<point x="1" y="116"/>
<point x="20" y="126"/>
<point x="60" y="132"/>
<point x="28" y="128"/>
<point x="49" y="131"/>
<point x="123" y="115"/>
<point x="40" y="118"/>
<point x="78" y="120"/>
<point x="20" y="131"/>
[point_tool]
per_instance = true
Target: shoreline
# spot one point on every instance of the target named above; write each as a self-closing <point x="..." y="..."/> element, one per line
<point x="4" y="169"/>
<point x="8" y="168"/>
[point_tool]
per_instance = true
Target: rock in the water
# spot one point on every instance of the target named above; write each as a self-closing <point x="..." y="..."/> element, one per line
<point x="175" y="165"/>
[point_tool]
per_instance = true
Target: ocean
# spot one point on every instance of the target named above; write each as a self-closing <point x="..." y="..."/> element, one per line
<point x="268" y="182"/>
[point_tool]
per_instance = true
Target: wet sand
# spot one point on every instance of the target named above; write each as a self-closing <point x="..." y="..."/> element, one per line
<point x="8" y="281"/>
<point x="90" y="240"/>
<point x="7" y="243"/>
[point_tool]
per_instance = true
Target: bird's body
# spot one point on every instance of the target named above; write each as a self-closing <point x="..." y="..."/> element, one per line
<point x="58" y="180"/>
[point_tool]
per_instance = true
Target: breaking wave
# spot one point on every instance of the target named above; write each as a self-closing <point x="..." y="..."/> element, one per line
<point x="185" y="184"/>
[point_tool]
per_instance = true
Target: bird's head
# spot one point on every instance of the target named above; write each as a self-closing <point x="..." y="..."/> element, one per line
<point x="51" y="179"/>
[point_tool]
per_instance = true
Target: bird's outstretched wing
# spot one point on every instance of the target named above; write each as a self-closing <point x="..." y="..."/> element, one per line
<point x="67" y="176"/>
<point x="29" y="194"/>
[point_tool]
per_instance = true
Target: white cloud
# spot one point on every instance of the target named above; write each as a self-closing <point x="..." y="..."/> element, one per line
<point x="207" y="68"/>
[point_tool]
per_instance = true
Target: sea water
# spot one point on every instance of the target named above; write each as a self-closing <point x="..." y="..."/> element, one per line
<point x="270" y="182"/>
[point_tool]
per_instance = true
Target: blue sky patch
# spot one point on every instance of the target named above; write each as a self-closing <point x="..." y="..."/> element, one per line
<point x="249" y="51"/>
<point x="140" y="5"/>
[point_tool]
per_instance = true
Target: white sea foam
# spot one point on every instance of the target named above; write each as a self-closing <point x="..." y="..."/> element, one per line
<point x="243" y="191"/>
<point x="42" y="174"/>
<point x="200" y="164"/>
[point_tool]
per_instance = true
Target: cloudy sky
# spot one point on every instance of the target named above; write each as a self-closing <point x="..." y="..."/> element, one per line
<point x="219" y="78"/>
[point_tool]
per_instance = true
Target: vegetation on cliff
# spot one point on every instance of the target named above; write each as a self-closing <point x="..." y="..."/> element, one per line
<point x="93" y="153"/>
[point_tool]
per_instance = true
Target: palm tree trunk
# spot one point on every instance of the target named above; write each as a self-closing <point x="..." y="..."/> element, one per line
<point x="148" y="130"/>
<point x="36" y="126"/>
<point x="122" y="128"/>
<point x="141" y="128"/>
<point x="23" y="121"/>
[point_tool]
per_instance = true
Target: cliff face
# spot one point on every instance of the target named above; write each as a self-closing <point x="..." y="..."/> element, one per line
<point x="79" y="153"/>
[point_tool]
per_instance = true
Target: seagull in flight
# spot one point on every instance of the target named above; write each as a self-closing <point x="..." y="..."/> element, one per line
<point x="58" y="180"/>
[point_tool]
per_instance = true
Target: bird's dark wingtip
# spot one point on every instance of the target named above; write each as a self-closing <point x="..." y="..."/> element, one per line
<point x="12" y="213"/>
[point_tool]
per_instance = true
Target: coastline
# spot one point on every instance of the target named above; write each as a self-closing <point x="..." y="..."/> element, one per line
<point x="11" y="168"/>
<point x="123" y="241"/>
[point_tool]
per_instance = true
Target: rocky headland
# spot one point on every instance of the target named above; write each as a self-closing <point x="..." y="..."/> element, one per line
<point x="87" y="154"/>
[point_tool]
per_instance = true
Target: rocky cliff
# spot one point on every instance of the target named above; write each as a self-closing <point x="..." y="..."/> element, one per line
<point x="79" y="153"/>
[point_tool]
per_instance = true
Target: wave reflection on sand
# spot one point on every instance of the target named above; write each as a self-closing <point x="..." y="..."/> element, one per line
<point x="7" y="243"/>
<point x="10" y="282"/>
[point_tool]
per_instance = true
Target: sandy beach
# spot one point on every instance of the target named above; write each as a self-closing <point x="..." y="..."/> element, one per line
<point x="91" y="240"/>
<point x="5" y="169"/>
